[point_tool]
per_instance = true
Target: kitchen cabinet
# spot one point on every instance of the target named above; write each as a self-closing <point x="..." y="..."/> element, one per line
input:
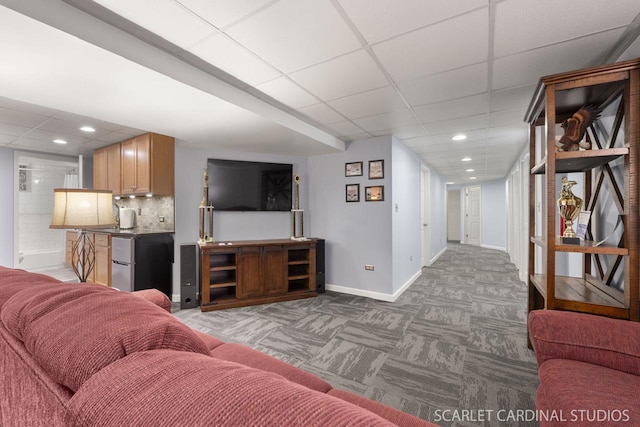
<point x="106" y="168"/>
<point x="147" y="165"/>
<point x="102" y="266"/>
<point x="608" y="284"/>
<point x="253" y="272"/>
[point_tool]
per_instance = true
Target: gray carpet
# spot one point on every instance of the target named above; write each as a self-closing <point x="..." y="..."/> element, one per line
<point x="455" y="340"/>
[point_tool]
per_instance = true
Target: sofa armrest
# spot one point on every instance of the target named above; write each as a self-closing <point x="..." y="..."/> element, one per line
<point x="611" y="343"/>
<point x="156" y="297"/>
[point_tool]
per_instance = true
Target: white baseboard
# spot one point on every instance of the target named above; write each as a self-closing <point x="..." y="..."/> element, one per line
<point x="375" y="295"/>
<point x="438" y="255"/>
<point x="498" y="248"/>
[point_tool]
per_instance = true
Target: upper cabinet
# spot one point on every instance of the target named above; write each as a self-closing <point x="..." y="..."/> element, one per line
<point x="106" y="168"/>
<point x="584" y="126"/>
<point x="145" y="165"/>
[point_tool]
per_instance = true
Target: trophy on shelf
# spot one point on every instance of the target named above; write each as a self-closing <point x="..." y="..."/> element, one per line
<point x="206" y="211"/>
<point x="297" y="214"/>
<point x="569" y="206"/>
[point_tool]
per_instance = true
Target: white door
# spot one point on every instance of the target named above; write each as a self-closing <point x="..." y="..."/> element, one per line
<point x="453" y="216"/>
<point x="472" y="229"/>
<point x="424" y="218"/>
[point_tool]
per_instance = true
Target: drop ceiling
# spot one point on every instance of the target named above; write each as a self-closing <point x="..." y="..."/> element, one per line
<point x="297" y="77"/>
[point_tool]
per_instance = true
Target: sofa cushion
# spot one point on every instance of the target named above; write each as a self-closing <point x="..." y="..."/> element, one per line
<point x="15" y="280"/>
<point x="388" y="413"/>
<point x="74" y="330"/>
<point x="249" y="357"/>
<point x="169" y="388"/>
<point x="576" y="392"/>
<point x="588" y="338"/>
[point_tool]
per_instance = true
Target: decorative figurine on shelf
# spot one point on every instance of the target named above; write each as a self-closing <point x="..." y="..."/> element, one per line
<point x="569" y="206"/>
<point x="297" y="214"/>
<point x="575" y="128"/>
<point x="206" y="233"/>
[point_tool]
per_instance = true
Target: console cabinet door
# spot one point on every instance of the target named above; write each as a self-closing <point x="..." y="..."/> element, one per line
<point x="249" y="272"/>
<point x="274" y="270"/>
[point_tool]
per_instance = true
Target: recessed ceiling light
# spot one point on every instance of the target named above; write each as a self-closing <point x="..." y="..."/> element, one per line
<point x="470" y="170"/>
<point x="466" y="159"/>
<point x="449" y="183"/>
<point x="459" y="137"/>
<point x="59" y="141"/>
<point x="87" y="129"/>
<point x="472" y="177"/>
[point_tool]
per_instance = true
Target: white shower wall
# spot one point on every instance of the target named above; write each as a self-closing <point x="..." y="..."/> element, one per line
<point x="38" y="245"/>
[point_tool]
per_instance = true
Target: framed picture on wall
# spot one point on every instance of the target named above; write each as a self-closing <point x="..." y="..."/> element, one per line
<point x="376" y="169"/>
<point x="374" y="193"/>
<point x="352" y="193"/>
<point x="353" y="169"/>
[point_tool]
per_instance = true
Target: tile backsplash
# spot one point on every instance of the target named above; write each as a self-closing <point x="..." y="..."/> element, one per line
<point x="149" y="210"/>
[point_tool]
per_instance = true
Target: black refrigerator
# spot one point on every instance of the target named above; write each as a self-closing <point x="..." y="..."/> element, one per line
<point x="142" y="262"/>
<point x="154" y="263"/>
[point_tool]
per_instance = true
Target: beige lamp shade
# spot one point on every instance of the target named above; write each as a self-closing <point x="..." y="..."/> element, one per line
<point x="81" y="208"/>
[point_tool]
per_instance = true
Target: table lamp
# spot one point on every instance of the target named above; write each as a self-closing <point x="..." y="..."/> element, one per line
<point x="82" y="209"/>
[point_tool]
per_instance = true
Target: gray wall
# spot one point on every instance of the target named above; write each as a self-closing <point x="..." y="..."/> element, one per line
<point x="494" y="214"/>
<point x="226" y="225"/>
<point x="356" y="233"/>
<point x="406" y="225"/>
<point x="7" y="206"/>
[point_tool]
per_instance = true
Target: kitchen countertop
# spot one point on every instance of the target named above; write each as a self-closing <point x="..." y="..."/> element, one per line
<point x="136" y="231"/>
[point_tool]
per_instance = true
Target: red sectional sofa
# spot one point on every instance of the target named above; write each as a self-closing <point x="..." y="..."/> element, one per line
<point x="589" y="369"/>
<point x="87" y="355"/>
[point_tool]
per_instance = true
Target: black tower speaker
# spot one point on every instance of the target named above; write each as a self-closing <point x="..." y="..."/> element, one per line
<point x="189" y="276"/>
<point x="320" y="265"/>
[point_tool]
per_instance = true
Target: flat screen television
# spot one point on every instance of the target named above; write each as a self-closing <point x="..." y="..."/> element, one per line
<point x="236" y="185"/>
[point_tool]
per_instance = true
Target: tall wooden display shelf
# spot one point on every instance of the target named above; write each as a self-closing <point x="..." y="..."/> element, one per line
<point x="249" y="272"/>
<point x="611" y="183"/>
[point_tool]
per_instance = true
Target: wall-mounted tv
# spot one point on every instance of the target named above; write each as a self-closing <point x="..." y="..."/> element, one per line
<point x="236" y="185"/>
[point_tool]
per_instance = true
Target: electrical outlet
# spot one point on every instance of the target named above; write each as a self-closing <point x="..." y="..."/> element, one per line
<point x="368" y="267"/>
<point x="161" y="218"/>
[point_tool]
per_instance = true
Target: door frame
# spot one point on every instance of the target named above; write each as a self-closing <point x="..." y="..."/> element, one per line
<point x="466" y="214"/>
<point x="425" y="216"/>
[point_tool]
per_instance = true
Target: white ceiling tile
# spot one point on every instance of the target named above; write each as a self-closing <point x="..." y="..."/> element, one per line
<point x="20" y="118"/>
<point x="378" y="20"/>
<point x="462" y="124"/>
<point x="446" y="86"/>
<point x="506" y="117"/>
<point x="166" y="18"/>
<point x="517" y="132"/>
<point x="13" y="130"/>
<point x="544" y="22"/>
<point x="369" y="103"/>
<point x="392" y="120"/>
<point x="444" y="46"/>
<point x="403" y="132"/>
<point x="223" y="12"/>
<point x="346" y="75"/>
<point x="470" y="105"/>
<point x="227" y="55"/>
<point x="346" y="128"/>
<point x="73" y="127"/>
<point x="287" y="92"/>
<point x="527" y="68"/>
<point x="294" y="34"/>
<point x="507" y="99"/>
<point x="322" y="113"/>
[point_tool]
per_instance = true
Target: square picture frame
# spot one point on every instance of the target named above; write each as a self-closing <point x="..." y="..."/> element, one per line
<point x="376" y="169"/>
<point x="374" y="193"/>
<point x="352" y="193"/>
<point x="353" y="169"/>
